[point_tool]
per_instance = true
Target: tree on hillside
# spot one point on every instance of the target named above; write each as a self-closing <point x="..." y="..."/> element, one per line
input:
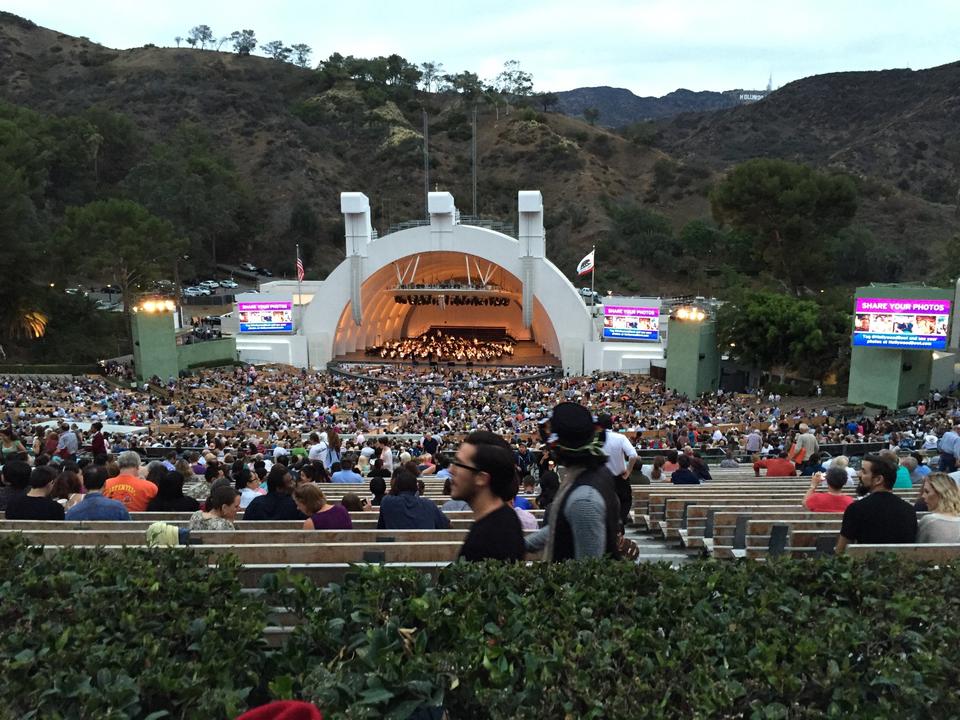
<point x="792" y="211"/>
<point x="119" y="241"/>
<point x="547" y="100"/>
<point x="178" y="39"/>
<point x="20" y="314"/>
<point x="244" y="41"/>
<point x="432" y="72"/>
<point x="200" y="34"/>
<point x="645" y="234"/>
<point x="768" y="330"/>
<point x="466" y="84"/>
<point x="191" y="183"/>
<point x="301" y="54"/>
<point x="221" y="41"/>
<point x="591" y="115"/>
<point x="277" y="50"/>
<point x="514" y="81"/>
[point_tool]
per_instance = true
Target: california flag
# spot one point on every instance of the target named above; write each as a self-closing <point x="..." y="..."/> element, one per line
<point x="586" y="265"/>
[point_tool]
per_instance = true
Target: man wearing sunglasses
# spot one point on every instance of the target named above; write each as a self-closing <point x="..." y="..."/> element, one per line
<point x="483" y="474"/>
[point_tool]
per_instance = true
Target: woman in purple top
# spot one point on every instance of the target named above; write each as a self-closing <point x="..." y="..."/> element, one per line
<point x="321" y="515"/>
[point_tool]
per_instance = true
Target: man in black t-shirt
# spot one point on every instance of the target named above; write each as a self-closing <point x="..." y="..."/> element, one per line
<point x="881" y="517"/>
<point x="35" y="505"/>
<point x="483" y="474"/>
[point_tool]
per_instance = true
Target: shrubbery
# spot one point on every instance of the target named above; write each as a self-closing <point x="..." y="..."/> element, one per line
<point x="88" y="635"/>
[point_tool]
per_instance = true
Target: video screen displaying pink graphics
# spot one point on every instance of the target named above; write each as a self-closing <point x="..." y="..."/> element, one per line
<point x="276" y="316"/>
<point x="901" y="323"/>
<point x="623" y="322"/>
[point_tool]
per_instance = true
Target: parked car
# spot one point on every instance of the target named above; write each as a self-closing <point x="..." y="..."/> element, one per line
<point x="229" y="284"/>
<point x="212" y="284"/>
<point x="191" y="292"/>
<point x="249" y="267"/>
<point x="76" y="291"/>
<point x="264" y="272"/>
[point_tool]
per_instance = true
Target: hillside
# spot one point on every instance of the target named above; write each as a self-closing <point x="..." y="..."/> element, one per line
<point x="298" y="143"/>
<point x="899" y="126"/>
<point x="619" y="107"/>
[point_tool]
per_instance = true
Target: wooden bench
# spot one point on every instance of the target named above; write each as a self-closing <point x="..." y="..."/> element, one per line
<point x="927" y="552"/>
<point x="238" y="537"/>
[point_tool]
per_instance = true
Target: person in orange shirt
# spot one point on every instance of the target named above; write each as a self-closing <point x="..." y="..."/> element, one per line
<point x="128" y="487"/>
<point x="776" y="467"/>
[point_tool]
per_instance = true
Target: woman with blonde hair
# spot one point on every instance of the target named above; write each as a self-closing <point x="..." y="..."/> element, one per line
<point x="942" y="524"/>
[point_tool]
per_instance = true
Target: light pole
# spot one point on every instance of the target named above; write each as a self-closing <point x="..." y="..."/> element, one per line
<point x="177" y="288"/>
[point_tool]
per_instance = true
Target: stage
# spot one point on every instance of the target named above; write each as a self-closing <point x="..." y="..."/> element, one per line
<point x="525" y="353"/>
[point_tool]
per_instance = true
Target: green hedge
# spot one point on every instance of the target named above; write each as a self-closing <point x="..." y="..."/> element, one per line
<point x="135" y="633"/>
<point x="790" y="639"/>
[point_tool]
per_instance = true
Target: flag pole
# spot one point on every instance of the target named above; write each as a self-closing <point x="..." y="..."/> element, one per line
<point x="593" y="270"/>
<point x="300" y="304"/>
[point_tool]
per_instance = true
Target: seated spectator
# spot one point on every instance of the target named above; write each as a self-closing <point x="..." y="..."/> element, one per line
<point x="811" y="465"/>
<point x="221" y="513"/>
<point x="378" y="488"/>
<point x="346" y="474"/>
<point x="903" y="475"/>
<point x="443" y="465"/>
<point x="527" y="520"/>
<point x="776" y="467"/>
<point x="94" y="505"/>
<point x="729" y="461"/>
<point x="911" y="464"/>
<point x="248" y="485"/>
<point x="277" y="504"/>
<point x="170" y="497"/>
<point x="831" y="501"/>
<point x="881" y="517"/>
<point x="354" y="503"/>
<point x="942" y="498"/>
<point x="68" y="487"/>
<point x="699" y="467"/>
<point x="14" y="481"/>
<point x="549" y="487"/>
<point x="654" y="471"/>
<point x="453" y="505"/>
<point x="128" y="487"/>
<point x="35" y="504"/>
<point x="379" y="470"/>
<point x="843" y="462"/>
<point x="671" y="463"/>
<point x="406" y="511"/>
<point x="683" y="475"/>
<point x="321" y="515"/>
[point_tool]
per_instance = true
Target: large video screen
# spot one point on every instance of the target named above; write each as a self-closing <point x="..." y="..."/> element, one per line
<point x="623" y="322"/>
<point x="259" y="317"/>
<point x="895" y="322"/>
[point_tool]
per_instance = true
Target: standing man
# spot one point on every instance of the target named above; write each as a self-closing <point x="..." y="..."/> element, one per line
<point x="386" y="454"/>
<point x="484" y="476"/>
<point x="949" y="443"/>
<point x="621" y="457"/>
<point x="804" y="447"/>
<point x="754" y="442"/>
<point x="584" y="518"/>
<point x="881" y="517"/>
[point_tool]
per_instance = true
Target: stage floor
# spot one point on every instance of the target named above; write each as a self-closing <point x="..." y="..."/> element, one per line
<point x="525" y="353"/>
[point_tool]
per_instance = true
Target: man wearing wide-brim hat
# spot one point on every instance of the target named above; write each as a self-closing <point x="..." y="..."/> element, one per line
<point x="583" y="521"/>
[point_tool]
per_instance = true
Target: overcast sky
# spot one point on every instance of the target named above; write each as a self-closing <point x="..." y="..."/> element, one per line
<point x="648" y="46"/>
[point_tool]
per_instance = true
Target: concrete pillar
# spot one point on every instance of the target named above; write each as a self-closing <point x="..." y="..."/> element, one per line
<point x="443" y="217"/>
<point x="532" y="239"/>
<point x="356" y="219"/>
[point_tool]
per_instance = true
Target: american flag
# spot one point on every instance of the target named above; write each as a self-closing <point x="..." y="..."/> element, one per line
<point x="299" y="268"/>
